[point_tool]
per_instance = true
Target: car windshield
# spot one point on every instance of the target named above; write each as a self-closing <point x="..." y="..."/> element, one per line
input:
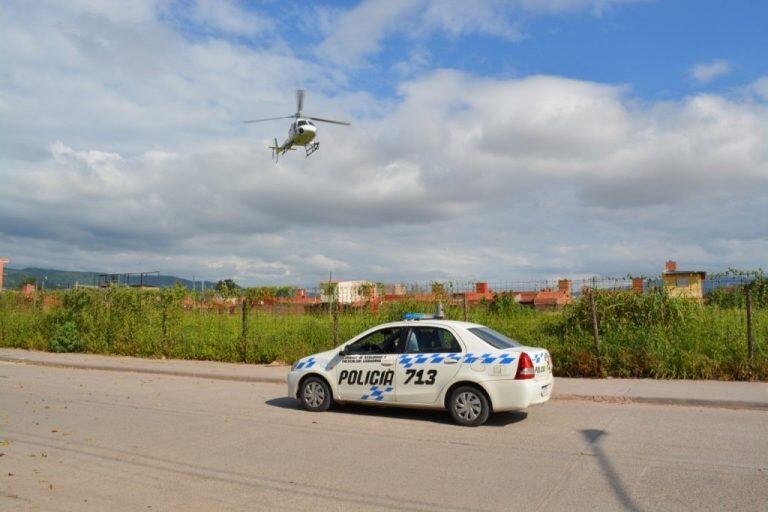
<point x="493" y="338"/>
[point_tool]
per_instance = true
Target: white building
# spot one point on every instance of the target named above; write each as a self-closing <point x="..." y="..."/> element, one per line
<point x="347" y="292"/>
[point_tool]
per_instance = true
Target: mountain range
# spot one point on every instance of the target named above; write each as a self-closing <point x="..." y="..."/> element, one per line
<point x="58" y="279"/>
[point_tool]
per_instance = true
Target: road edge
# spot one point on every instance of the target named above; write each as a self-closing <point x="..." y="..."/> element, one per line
<point x="150" y="371"/>
<point x="658" y="400"/>
<point x="612" y="399"/>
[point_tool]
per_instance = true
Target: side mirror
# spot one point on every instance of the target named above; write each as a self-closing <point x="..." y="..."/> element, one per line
<point x="343" y="352"/>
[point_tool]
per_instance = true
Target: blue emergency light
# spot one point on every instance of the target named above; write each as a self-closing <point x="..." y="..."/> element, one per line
<point x="416" y="316"/>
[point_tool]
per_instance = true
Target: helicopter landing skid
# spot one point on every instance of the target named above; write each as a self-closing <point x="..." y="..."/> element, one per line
<point x="311" y="148"/>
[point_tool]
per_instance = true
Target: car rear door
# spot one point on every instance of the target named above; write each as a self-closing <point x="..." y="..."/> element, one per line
<point x="367" y="371"/>
<point x="430" y="360"/>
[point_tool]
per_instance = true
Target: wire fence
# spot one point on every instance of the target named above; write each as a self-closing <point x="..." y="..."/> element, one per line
<point x="694" y="285"/>
<point x="351" y="292"/>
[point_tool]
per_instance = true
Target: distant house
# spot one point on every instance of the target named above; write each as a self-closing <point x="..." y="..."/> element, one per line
<point x="546" y="299"/>
<point x="482" y="292"/>
<point x="28" y="290"/>
<point x="683" y="284"/>
<point x="348" y="292"/>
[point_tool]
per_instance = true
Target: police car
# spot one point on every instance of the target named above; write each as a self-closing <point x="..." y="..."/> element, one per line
<point x="430" y="363"/>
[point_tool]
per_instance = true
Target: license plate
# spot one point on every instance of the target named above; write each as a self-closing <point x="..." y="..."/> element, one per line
<point x="545" y="390"/>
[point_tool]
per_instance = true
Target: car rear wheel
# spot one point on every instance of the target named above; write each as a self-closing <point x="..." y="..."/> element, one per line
<point x="469" y="406"/>
<point x="315" y="394"/>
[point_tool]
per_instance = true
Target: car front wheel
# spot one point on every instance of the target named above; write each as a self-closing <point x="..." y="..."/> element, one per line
<point x="315" y="394"/>
<point x="469" y="406"/>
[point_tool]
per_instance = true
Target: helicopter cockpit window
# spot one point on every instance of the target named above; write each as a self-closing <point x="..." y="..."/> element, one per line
<point x="302" y="123"/>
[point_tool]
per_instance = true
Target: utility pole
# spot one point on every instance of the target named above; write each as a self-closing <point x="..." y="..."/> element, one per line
<point x="244" y="327"/>
<point x="750" y="343"/>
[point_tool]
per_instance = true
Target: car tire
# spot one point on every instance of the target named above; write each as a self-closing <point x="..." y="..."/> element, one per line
<point x="315" y="395"/>
<point x="469" y="406"/>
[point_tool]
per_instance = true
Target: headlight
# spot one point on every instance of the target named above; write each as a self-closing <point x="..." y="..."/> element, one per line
<point x="294" y="365"/>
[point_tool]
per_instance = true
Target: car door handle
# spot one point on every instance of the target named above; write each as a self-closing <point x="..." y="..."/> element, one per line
<point x="387" y="362"/>
<point x="450" y="361"/>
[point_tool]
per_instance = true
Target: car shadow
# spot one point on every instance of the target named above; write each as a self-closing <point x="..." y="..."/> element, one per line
<point x="501" y="419"/>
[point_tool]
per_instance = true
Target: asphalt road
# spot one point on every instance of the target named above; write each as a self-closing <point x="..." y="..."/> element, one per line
<point x="73" y="439"/>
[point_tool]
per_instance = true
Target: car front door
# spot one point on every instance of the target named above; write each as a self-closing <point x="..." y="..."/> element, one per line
<point x="367" y="371"/>
<point x="430" y="361"/>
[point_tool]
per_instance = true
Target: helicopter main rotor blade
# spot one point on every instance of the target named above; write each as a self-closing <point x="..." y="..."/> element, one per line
<point x="299" y="100"/>
<point x="267" y="119"/>
<point x="328" y="121"/>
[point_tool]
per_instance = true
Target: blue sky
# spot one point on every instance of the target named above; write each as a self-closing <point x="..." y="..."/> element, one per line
<point x="489" y="140"/>
<point x="648" y="46"/>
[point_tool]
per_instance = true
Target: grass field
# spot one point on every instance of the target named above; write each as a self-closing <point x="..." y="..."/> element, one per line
<point x="648" y="335"/>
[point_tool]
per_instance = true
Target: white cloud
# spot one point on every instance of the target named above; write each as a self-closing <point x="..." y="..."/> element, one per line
<point x="122" y="150"/>
<point x="130" y="11"/>
<point x="228" y="17"/>
<point x="358" y="32"/>
<point x="456" y="18"/>
<point x="760" y="88"/>
<point x="706" y="72"/>
<point x="417" y="62"/>
<point x="558" y="6"/>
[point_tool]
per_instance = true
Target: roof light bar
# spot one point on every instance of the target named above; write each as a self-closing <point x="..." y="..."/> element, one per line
<point x="416" y="316"/>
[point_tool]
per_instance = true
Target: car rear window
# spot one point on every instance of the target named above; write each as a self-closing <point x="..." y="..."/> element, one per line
<point x="493" y="338"/>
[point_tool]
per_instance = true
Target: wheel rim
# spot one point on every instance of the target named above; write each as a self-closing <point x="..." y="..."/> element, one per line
<point x="468" y="406"/>
<point x="314" y="394"/>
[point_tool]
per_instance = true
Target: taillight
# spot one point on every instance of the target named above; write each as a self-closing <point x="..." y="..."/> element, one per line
<point x="525" y="368"/>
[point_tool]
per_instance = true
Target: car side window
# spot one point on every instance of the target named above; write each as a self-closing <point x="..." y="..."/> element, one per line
<point x="383" y="341"/>
<point x="431" y="340"/>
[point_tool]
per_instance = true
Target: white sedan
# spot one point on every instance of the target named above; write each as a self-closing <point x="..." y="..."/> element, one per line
<point x="423" y="362"/>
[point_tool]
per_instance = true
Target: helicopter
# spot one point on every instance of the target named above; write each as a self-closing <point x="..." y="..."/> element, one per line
<point x="301" y="132"/>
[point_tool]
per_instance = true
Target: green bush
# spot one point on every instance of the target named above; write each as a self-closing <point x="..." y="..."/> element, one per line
<point x="641" y="335"/>
<point x="735" y="296"/>
<point x="66" y="339"/>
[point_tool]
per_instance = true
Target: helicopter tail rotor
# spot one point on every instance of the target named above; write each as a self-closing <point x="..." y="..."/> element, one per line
<point x="275" y="151"/>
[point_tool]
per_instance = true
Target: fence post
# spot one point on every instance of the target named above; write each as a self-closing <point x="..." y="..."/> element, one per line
<point x="464" y="304"/>
<point x="244" y="328"/>
<point x="595" y="330"/>
<point x="750" y="346"/>
<point x="164" y="317"/>
<point x="335" y="315"/>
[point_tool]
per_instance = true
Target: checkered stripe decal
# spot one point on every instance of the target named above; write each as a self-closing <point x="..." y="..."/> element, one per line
<point x="308" y="363"/>
<point x="506" y="359"/>
<point x="538" y="357"/>
<point x="377" y="393"/>
<point x="409" y="360"/>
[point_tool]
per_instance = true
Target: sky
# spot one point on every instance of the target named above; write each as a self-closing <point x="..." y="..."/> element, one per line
<point x="490" y="140"/>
